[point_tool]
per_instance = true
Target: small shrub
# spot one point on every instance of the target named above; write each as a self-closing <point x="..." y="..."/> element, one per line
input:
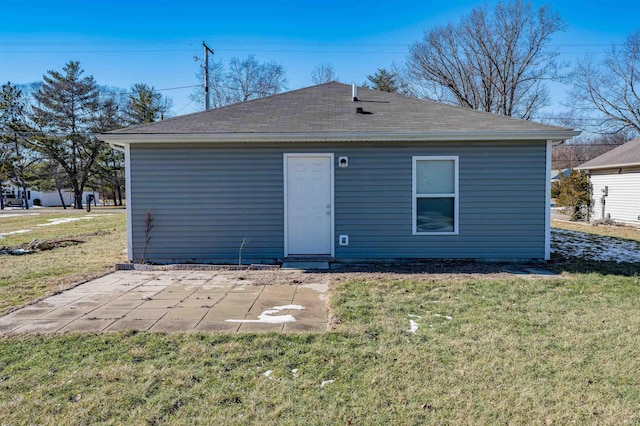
<point x="574" y="193"/>
<point x="37" y="202"/>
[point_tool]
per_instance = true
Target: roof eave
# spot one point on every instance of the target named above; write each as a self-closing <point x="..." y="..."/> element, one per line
<point x="128" y="138"/>
<point x="607" y="166"/>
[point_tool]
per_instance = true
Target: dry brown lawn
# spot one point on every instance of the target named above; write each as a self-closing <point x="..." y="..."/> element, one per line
<point x="26" y="278"/>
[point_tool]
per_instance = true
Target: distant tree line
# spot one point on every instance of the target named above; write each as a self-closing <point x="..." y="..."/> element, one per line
<point x="48" y="132"/>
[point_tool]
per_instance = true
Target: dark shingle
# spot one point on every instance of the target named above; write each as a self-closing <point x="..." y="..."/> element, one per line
<point x="625" y="154"/>
<point x="329" y="108"/>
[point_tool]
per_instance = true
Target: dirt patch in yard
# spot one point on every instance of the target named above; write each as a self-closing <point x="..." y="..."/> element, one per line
<point x="427" y="271"/>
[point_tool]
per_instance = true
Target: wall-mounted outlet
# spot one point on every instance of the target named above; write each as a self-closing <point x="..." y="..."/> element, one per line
<point x="343" y="240"/>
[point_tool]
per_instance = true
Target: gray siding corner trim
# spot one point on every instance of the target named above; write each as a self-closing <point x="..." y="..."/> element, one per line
<point x="205" y="198"/>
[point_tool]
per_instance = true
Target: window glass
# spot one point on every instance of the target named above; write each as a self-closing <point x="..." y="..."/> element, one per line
<point x="435" y="214"/>
<point x="435" y="177"/>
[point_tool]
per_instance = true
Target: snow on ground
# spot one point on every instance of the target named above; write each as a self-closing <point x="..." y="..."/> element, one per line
<point x="594" y="247"/>
<point x="60" y="221"/>
<point x="17" y="214"/>
<point x="268" y="316"/>
<point x="20" y="231"/>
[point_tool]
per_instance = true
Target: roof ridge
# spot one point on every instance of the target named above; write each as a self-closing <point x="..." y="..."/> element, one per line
<point x="330" y="109"/>
<point x="223" y="107"/>
<point x="461" y="108"/>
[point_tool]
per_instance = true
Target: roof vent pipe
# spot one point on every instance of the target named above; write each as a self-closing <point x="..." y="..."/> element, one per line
<point x="354" y="90"/>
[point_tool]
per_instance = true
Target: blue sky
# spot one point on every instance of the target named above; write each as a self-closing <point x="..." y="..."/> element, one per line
<point x="122" y="43"/>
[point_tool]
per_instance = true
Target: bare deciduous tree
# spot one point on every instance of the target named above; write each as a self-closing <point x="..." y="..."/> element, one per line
<point x="580" y="150"/>
<point x="491" y="61"/>
<point x="243" y="80"/>
<point x="323" y="73"/>
<point x="611" y="88"/>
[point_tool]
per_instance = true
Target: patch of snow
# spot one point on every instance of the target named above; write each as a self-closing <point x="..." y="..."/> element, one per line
<point x="268" y="317"/>
<point x="267" y="373"/>
<point x="594" y="247"/>
<point x="294" y="307"/>
<point x="60" y="221"/>
<point x="17" y="215"/>
<point x="447" y="317"/>
<point x="413" y="326"/>
<point x="294" y="371"/>
<point x="20" y="231"/>
<point x="325" y="382"/>
<point x="436" y="315"/>
<point x="414" y="316"/>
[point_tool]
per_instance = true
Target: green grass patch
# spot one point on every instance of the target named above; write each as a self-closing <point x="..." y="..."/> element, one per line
<point x="29" y="277"/>
<point x="560" y="351"/>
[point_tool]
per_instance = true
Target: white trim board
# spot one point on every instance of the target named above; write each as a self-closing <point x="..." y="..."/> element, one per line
<point x="456" y="194"/>
<point x="177" y="138"/>
<point x="129" y="201"/>
<point x="547" y="203"/>
<point x="285" y="157"/>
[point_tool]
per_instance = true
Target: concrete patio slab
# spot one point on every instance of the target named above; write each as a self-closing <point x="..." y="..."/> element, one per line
<point x="131" y="324"/>
<point x="175" y="326"/>
<point x="177" y="301"/>
<point x="87" y="325"/>
<point x="146" y="314"/>
<point x="217" y="326"/>
<point x="186" y="314"/>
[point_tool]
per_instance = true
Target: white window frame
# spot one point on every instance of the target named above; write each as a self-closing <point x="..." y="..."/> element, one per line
<point x="455" y="195"/>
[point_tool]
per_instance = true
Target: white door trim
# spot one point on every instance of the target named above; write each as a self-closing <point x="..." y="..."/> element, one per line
<point x="285" y="159"/>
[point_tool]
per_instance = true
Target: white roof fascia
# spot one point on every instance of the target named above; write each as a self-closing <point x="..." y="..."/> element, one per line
<point x="124" y="138"/>
<point x="608" y="166"/>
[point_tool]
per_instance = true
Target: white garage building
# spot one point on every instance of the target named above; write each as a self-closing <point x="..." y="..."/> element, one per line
<point x="615" y="181"/>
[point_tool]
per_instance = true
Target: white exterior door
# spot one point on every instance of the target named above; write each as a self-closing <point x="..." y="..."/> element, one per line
<point x="308" y="192"/>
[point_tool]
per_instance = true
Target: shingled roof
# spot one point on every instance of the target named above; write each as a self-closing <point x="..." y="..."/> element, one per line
<point x="627" y="154"/>
<point x="327" y="111"/>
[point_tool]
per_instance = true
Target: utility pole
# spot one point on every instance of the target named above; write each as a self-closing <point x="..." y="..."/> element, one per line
<point x="206" y="74"/>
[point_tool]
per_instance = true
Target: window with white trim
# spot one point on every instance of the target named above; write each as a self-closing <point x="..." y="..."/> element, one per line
<point x="435" y="195"/>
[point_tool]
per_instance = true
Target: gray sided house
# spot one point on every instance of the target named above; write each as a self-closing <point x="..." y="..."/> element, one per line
<point x="615" y="183"/>
<point x="325" y="172"/>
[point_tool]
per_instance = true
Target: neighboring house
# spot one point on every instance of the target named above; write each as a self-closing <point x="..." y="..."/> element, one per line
<point x="39" y="198"/>
<point x="324" y="172"/>
<point x="615" y="182"/>
<point x="557" y="174"/>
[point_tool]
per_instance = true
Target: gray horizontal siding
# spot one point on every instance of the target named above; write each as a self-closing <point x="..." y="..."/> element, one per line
<point x="205" y="199"/>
